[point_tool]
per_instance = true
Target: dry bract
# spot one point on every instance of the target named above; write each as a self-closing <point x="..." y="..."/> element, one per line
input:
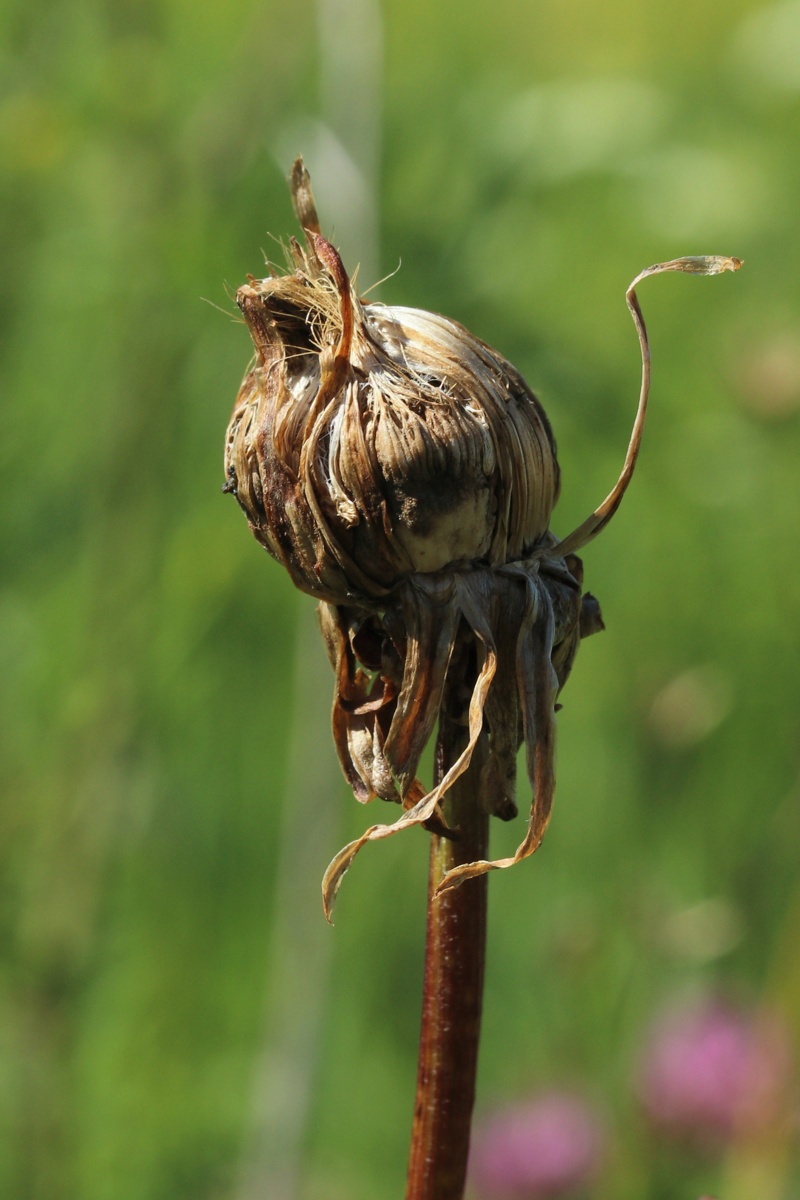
<point x="404" y="474"/>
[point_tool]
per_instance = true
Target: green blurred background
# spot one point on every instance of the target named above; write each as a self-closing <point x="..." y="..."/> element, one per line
<point x="177" y="1021"/>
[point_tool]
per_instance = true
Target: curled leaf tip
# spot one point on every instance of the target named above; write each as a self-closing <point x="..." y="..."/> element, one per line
<point x="696" y="264"/>
<point x="708" y="264"/>
<point x="303" y="197"/>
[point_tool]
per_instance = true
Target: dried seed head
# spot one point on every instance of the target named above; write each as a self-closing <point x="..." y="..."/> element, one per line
<point x="404" y="474"/>
<point x="370" y="443"/>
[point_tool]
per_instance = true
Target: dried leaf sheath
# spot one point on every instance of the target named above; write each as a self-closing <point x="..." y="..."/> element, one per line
<point x="404" y="474"/>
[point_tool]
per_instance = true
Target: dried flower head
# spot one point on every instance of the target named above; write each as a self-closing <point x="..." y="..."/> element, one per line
<point x="404" y="474"/>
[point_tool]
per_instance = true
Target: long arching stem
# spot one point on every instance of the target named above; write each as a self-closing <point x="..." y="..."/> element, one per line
<point x="453" y="987"/>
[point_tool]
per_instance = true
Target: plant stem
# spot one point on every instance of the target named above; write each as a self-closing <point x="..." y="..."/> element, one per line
<point x="453" y="988"/>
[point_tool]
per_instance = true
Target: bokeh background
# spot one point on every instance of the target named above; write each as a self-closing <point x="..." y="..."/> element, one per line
<point x="177" y="1021"/>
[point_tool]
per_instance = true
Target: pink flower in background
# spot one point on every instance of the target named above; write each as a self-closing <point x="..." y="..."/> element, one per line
<point x="712" y="1071"/>
<point x="548" y="1147"/>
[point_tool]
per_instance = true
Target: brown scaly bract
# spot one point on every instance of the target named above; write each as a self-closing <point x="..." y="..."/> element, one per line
<point x="404" y="474"/>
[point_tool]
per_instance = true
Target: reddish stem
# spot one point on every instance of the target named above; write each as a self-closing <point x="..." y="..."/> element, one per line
<point x="452" y="990"/>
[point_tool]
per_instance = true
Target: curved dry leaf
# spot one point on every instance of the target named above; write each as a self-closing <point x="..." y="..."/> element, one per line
<point x="713" y="264"/>
<point x="538" y="686"/>
<point x="426" y="807"/>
